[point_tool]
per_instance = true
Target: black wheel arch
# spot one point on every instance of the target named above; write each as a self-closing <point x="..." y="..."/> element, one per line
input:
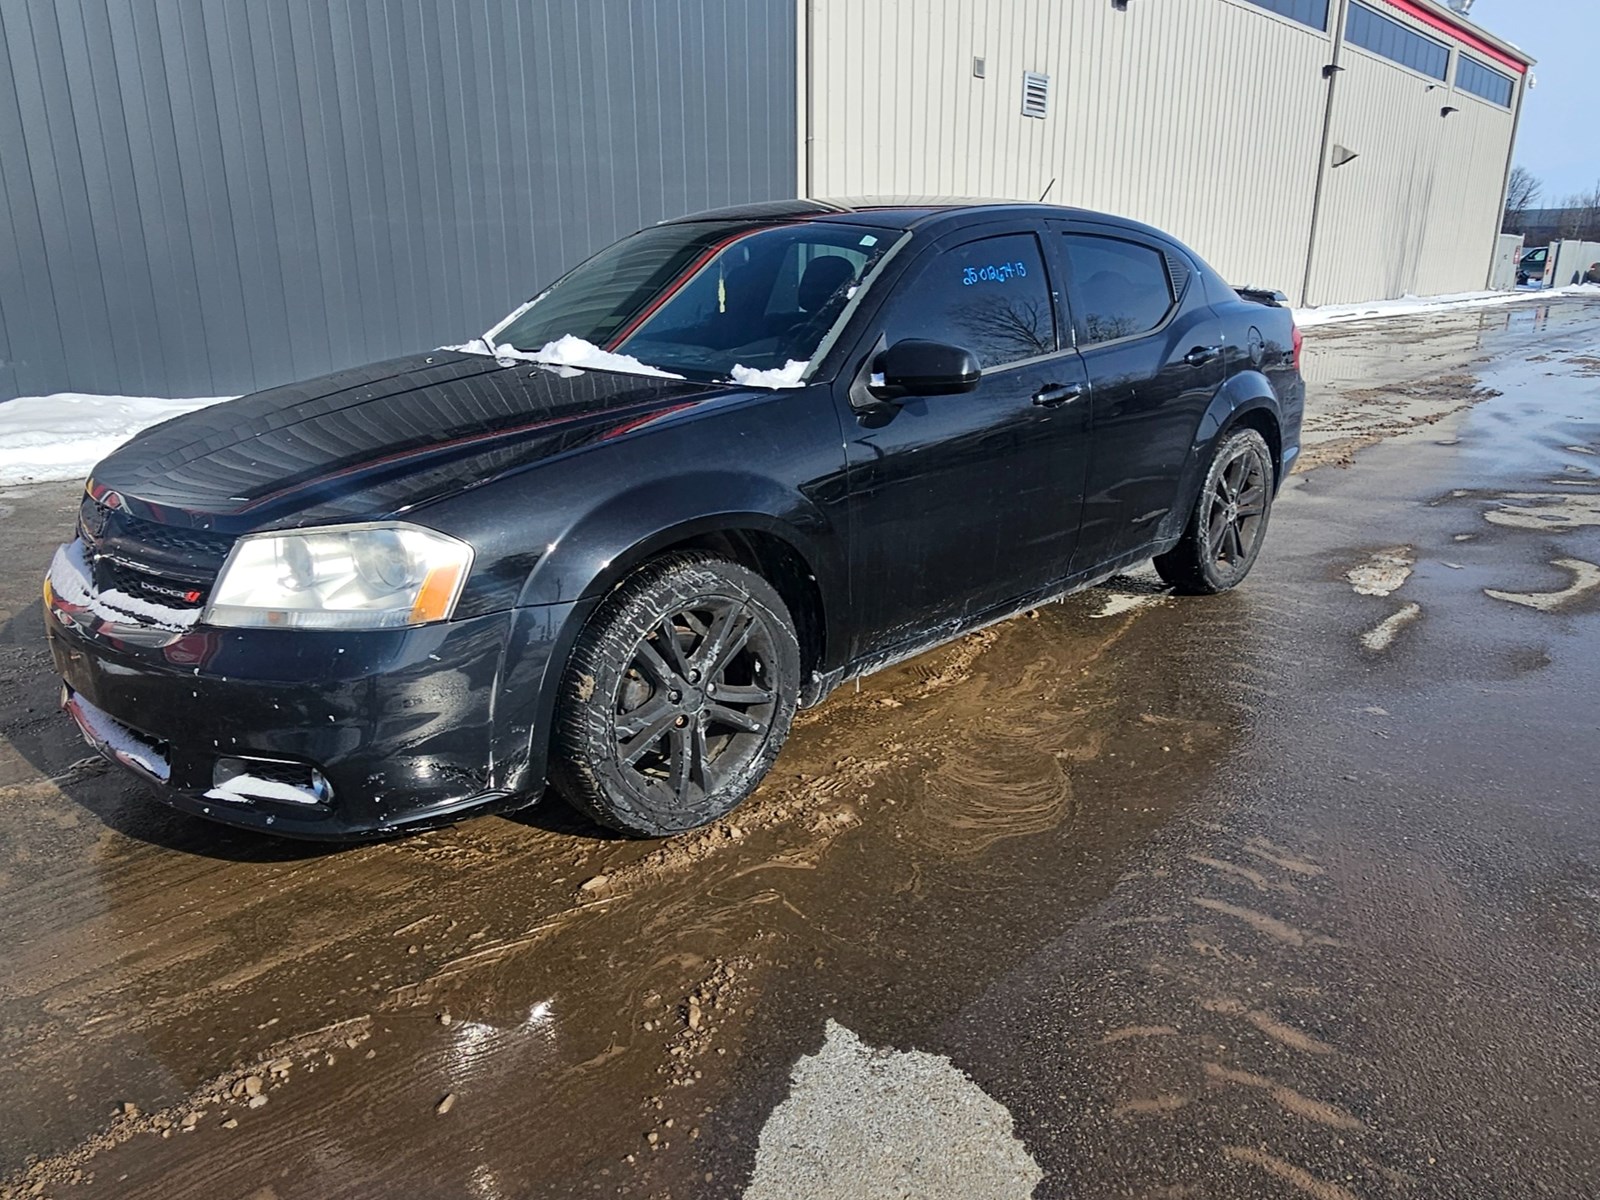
<point x="760" y="542"/>
<point x="1244" y="401"/>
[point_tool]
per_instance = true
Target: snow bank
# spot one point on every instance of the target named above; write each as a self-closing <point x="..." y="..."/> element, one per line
<point x="568" y="351"/>
<point x="1409" y="306"/>
<point x="786" y="376"/>
<point x="57" y="437"/>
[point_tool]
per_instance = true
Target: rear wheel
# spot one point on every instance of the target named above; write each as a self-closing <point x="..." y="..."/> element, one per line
<point x="677" y="698"/>
<point x="1229" y="523"/>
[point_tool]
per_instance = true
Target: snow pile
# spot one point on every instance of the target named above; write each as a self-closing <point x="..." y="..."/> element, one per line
<point x="1410" y="306"/>
<point x="787" y="376"/>
<point x="861" y="1120"/>
<point x="568" y="351"/>
<point x="46" y="438"/>
<point x="70" y="579"/>
<point x="477" y="345"/>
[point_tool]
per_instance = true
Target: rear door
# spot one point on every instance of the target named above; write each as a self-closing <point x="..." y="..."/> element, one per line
<point x="1153" y="351"/>
<point x="960" y="503"/>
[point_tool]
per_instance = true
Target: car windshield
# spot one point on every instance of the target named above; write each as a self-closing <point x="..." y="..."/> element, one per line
<point x="703" y="297"/>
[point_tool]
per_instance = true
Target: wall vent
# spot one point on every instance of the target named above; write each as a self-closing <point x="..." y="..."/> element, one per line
<point x="1035" y="95"/>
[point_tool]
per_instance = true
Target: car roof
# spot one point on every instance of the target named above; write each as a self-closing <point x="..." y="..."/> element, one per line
<point x="894" y="212"/>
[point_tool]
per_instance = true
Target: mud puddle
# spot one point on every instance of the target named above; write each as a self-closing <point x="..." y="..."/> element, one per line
<point x="519" y="968"/>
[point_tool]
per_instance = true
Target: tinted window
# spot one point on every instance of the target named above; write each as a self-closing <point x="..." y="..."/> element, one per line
<point x="1121" y="289"/>
<point x="1371" y="30"/>
<point x="991" y="297"/>
<point x="1307" y="12"/>
<point x="1472" y="76"/>
<point x="700" y="297"/>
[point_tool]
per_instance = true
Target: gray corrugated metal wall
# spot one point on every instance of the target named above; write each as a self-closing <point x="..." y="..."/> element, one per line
<point x="201" y="197"/>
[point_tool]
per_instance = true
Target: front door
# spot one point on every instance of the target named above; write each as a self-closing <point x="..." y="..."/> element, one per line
<point x="963" y="502"/>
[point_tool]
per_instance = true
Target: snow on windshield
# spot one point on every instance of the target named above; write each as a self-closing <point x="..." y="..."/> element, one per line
<point x="572" y="351"/>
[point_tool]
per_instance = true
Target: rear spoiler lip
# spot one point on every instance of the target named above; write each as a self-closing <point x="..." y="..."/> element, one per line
<point x="1267" y="296"/>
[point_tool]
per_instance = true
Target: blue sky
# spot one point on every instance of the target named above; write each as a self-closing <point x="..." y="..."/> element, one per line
<point x="1558" y="141"/>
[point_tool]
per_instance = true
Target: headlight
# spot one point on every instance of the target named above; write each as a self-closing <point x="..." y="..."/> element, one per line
<point x="378" y="576"/>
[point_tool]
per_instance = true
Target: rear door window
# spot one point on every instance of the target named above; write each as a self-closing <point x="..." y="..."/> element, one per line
<point x="1120" y="289"/>
<point x="989" y="296"/>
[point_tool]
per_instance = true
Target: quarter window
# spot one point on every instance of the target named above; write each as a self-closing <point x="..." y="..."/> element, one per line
<point x="1308" y="12"/>
<point x="1371" y="30"/>
<point x="990" y="297"/>
<point x="1121" y="288"/>
<point x="1472" y="76"/>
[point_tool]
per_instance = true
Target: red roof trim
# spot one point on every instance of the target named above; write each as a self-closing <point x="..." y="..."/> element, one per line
<point x="1461" y="34"/>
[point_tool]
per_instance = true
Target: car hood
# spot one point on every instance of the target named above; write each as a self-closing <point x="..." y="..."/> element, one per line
<point x="374" y="440"/>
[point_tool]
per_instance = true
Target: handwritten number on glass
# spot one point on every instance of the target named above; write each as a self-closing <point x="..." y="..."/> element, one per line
<point x="993" y="273"/>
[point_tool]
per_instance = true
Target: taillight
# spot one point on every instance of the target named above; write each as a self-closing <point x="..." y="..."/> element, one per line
<point x="1299" y="344"/>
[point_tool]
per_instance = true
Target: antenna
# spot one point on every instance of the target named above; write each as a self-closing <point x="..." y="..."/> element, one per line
<point x="1046" y="191"/>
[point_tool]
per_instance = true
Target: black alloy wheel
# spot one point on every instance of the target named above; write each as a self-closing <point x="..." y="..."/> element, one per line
<point x="1229" y="523"/>
<point x="1237" y="508"/>
<point x="678" y="697"/>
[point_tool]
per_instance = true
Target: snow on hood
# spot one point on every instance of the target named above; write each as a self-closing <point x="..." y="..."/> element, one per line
<point x="46" y="439"/>
<point x="567" y="351"/>
<point x="70" y="578"/>
<point x="786" y="376"/>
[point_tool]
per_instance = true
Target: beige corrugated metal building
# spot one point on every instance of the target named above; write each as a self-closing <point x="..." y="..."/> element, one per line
<point x="1339" y="150"/>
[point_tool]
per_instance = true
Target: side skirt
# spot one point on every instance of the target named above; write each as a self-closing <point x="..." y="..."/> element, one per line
<point x="822" y="683"/>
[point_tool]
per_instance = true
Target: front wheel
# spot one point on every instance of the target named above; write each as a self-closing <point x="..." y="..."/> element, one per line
<point x="1229" y="523"/>
<point x="677" y="698"/>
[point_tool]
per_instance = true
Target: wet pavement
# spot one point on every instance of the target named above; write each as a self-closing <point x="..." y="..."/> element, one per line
<point x="1289" y="892"/>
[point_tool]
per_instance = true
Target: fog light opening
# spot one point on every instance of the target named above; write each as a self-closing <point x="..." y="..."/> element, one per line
<point x="244" y="780"/>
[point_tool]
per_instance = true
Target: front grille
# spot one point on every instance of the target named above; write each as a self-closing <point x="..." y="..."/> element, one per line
<point x="111" y="575"/>
<point x="98" y="521"/>
<point x="170" y="565"/>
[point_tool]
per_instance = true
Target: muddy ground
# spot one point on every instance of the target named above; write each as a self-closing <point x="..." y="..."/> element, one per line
<point x="1289" y="892"/>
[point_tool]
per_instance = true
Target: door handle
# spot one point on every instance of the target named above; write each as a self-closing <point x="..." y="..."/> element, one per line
<point x="1054" y="395"/>
<point x="1201" y="355"/>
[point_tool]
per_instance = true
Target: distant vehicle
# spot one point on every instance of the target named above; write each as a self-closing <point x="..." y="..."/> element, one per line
<point x="615" y="543"/>
<point x="1533" y="265"/>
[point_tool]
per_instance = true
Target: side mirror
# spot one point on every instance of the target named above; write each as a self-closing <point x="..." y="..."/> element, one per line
<point x="913" y="367"/>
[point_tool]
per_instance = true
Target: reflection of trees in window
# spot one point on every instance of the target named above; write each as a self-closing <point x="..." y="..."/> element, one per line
<point x="1108" y="327"/>
<point x="1004" y="329"/>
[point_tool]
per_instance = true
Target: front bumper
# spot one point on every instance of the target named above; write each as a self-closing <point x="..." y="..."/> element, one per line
<point x="405" y="728"/>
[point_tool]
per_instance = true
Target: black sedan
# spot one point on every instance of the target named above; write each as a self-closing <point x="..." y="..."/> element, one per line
<point x="615" y="543"/>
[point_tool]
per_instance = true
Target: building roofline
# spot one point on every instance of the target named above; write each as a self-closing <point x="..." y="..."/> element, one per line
<point x="1440" y="15"/>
